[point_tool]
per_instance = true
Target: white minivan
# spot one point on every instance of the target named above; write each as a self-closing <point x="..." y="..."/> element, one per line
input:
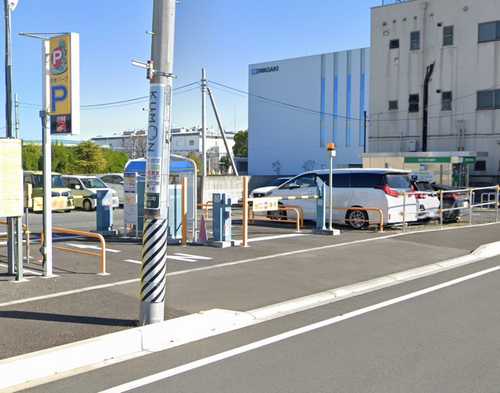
<point x="84" y="190"/>
<point x="357" y="187"/>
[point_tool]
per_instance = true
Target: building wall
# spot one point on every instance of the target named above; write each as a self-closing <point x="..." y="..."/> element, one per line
<point x="462" y="68"/>
<point x="285" y="138"/>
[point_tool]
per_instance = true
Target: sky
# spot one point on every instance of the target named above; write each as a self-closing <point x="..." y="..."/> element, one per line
<point x="224" y="36"/>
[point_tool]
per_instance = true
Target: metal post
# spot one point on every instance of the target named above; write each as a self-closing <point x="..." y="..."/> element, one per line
<point x="154" y="250"/>
<point x="203" y="121"/>
<point x="184" y="208"/>
<point x="471" y="202"/>
<point x="28" y="234"/>
<point x="496" y="202"/>
<point x="365" y="121"/>
<point x="245" y="211"/>
<point x="47" y="163"/>
<point x="330" y="179"/>
<point x="11" y="222"/>
<point x="404" y="211"/>
<point x="441" y="219"/>
<point x="229" y="152"/>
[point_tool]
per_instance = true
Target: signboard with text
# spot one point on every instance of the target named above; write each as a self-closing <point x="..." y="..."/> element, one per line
<point x="265" y="204"/>
<point x="11" y="178"/>
<point x="65" y="84"/>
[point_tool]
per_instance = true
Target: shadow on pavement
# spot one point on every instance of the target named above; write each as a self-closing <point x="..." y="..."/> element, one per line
<point x="50" y="317"/>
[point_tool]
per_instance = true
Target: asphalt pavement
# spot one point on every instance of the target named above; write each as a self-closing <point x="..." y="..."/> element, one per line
<point x="435" y="334"/>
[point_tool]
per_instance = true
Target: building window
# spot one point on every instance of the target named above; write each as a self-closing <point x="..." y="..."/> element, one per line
<point x="488" y="99"/>
<point x="191" y="143"/>
<point x="489" y="31"/>
<point x="393" y="44"/>
<point x="480" y="166"/>
<point x="393" y="105"/>
<point x="413" y="103"/>
<point x="448" y="35"/>
<point x="446" y="100"/>
<point x="415" y="40"/>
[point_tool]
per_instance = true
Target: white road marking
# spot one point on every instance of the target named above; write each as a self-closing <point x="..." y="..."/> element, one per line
<point x="193" y="256"/>
<point x="183" y="259"/>
<point x="263" y="238"/>
<point x="227" y="264"/>
<point x="287" y="335"/>
<point x="34" y="272"/>
<point x="133" y="261"/>
<point x="90" y="247"/>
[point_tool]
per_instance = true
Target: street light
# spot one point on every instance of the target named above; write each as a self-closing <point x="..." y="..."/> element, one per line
<point x="332" y="153"/>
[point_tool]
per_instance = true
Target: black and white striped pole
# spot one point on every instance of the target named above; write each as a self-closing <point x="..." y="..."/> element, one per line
<point x="154" y="248"/>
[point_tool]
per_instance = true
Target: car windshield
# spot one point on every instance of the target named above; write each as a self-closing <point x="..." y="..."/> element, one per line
<point x="423" y="186"/>
<point x="57" y="181"/>
<point x="93" y="182"/>
<point x="277" y="182"/>
<point x="398" y="181"/>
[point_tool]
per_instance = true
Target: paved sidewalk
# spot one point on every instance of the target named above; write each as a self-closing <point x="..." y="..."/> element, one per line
<point x="203" y="278"/>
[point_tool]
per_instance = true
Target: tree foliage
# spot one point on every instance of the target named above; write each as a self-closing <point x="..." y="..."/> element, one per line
<point x="240" y="148"/>
<point x="85" y="158"/>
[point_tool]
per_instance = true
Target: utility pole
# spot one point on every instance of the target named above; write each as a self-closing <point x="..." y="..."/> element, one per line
<point x="154" y="249"/>
<point x="365" y="136"/>
<point x="425" y="123"/>
<point x="203" y="122"/>
<point x="13" y="223"/>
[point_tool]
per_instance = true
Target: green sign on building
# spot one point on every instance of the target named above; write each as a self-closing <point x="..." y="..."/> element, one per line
<point x="427" y="160"/>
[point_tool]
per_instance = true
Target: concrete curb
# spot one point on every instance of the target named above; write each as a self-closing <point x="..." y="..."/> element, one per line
<point x="40" y="366"/>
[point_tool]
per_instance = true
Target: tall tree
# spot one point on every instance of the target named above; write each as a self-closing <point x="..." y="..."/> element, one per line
<point x="240" y="148"/>
<point x="89" y="158"/>
<point x="32" y="155"/>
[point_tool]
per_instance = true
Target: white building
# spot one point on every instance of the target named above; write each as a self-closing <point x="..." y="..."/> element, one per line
<point x="297" y="106"/>
<point x="457" y="44"/>
<point x="184" y="141"/>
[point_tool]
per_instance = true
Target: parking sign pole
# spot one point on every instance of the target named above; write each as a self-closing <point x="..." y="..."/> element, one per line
<point x="154" y="249"/>
<point x="47" y="163"/>
<point x="332" y="152"/>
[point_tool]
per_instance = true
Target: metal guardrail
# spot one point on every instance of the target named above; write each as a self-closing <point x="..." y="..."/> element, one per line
<point x="101" y="270"/>
<point x="299" y="216"/>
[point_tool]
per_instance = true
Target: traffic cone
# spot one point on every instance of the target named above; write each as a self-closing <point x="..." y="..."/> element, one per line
<point x="202" y="235"/>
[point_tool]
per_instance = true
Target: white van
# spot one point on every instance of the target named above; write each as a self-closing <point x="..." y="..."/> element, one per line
<point x="84" y="190"/>
<point x="357" y="187"/>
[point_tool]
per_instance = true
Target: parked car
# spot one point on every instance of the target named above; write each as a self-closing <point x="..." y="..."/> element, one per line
<point x="355" y="188"/>
<point x="115" y="182"/>
<point x="453" y="200"/>
<point x="265" y="190"/>
<point x="62" y="199"/>
<point x="427" y="200"/>
<point x="84" y="189"/>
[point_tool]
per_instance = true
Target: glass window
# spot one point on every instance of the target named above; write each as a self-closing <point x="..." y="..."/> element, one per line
<point x="57" y="181"/>
<point x="488" y="31"/>
<point x="393" y="44"/>
<point x="398" y="181"/>
<point x="340" y="180"/>
<point x="480" y="166"/>
<point x="415" y="40"/>
<point x="448" y="35"/>
<point x="497" y="99"/>
<point x="304" y="181"/>
<point x="413" y="103"/>
<point x="485" y="99"/>
<point x="92" y="182"/>
<point x="366" y="180"/>
<point x="393" y="105"/>
<point x="107" y="179"/>
<point x="446" y="100"/>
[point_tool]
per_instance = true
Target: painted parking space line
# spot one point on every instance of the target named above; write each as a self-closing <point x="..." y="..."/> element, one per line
<point x="185" y="368"/>
<point x="199" y="257"/>
<point x="26" y="270"/>
<point x="133" y="261"/>
<point x="90" y="247"/>
<point x="287" y="236"/>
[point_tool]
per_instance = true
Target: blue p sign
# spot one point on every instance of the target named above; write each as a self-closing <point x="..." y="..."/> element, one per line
<point x="58" y="94"/>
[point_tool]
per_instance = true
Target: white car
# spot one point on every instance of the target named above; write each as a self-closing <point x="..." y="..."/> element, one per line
<point x="115" y="182"/>
<point x="84" y="190"/>
<point x="264" y="191"/>
<point x="355" y="188"/>
<point x="427" y="200"/>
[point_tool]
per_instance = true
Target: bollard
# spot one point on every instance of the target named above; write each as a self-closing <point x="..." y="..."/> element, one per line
<point x="245" y="211"/>
<point x="471" y="202"/>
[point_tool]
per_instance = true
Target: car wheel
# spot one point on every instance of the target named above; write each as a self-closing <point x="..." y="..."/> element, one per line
<point x="357" y="219"/>
<point x="87" y="205"/>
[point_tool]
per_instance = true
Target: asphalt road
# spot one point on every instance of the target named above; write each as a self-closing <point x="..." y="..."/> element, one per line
<point x="429" y="335"/>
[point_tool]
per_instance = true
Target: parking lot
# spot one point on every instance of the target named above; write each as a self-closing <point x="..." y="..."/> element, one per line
<point x="280" y="264"/>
